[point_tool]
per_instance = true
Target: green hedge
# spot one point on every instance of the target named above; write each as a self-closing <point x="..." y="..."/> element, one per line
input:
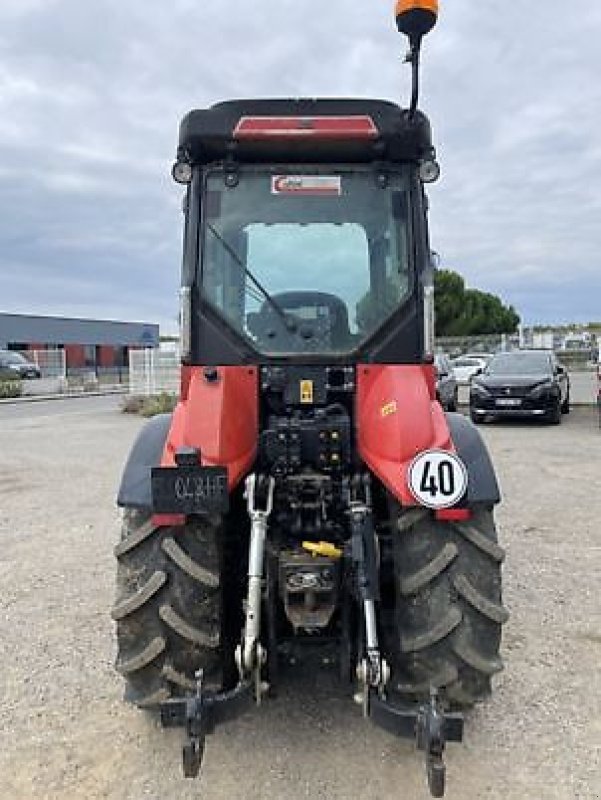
<point x="162" y="403"/>
<point x="10" y="388"/>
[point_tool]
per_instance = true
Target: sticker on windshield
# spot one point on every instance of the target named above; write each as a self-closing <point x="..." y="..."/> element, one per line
<point x="437" y="479"/>
<point x="316" y="185"/>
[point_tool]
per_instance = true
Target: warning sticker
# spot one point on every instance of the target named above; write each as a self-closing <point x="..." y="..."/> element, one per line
<point x="389" y="408"/>
<point x="316" y="185"/>
<point x="306" y="391"/>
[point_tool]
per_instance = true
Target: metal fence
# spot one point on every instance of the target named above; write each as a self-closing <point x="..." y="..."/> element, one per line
<point x="98" y="376"/>
<point x="576" y="350"/>
<point x="154" y="371"/>
<point x="494" y="343"/>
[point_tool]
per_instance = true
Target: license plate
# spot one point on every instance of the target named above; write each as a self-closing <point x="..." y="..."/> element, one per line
<point x="509" y="402"/>
<point x="189" y="490"/>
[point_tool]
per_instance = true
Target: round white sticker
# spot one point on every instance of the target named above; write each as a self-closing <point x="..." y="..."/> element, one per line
<point x="437" y="479"/>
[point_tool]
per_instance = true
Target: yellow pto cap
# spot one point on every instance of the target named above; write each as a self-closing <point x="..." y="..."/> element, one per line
<point x="326" y="549"/>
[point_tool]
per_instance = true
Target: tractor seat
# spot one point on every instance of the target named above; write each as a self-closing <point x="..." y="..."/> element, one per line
<point x="326" y="313"/>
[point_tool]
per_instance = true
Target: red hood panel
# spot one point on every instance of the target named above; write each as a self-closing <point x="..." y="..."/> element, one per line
<point x="398" y="417"/>
<point x="220" y="417"/>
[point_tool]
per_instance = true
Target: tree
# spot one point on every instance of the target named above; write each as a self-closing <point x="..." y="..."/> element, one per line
<point x="469" y="312"/>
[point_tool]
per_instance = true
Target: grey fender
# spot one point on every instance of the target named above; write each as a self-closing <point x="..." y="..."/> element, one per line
<point x="134" y="491"/>
<point x="482" y="484"/>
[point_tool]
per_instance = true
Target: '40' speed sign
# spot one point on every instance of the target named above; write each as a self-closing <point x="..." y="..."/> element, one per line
<point x="437" y="479"/>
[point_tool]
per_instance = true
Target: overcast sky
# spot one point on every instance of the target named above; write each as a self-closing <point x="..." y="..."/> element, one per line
<point x="91" y="94"/>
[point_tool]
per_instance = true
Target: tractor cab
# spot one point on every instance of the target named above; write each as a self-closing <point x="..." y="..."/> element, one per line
<point x="306" y="232"/>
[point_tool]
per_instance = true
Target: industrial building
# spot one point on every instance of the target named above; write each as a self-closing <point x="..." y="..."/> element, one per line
<point x="88" y="343"/>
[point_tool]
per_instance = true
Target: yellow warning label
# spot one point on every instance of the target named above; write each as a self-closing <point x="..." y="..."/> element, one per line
<point x="306" y="391"/>
<point x="389" y="408"/>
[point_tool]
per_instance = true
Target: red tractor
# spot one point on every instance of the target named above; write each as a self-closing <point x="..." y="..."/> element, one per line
<point x="308" y="495"/>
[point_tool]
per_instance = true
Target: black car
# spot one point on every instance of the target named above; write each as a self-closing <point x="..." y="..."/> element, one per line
<point x="14" y="365"/>
<point x="525" y="383"/>
<point x="446" y="383"/>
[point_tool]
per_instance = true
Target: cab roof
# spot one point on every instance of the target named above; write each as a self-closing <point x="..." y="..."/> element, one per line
<point x="304" y="130"/>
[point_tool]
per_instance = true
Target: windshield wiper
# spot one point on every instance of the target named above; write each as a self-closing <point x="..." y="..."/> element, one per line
<point x="288" y="322"/>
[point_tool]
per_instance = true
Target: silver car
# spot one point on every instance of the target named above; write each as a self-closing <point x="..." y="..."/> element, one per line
<point x="14" y="365"/>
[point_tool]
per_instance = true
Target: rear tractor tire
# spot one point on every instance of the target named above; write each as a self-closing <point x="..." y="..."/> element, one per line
<point x="449" y="607"/>
<point x="168" y="608"/>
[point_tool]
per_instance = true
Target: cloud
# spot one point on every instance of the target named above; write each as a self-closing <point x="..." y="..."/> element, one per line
<point x="91" y="95"/>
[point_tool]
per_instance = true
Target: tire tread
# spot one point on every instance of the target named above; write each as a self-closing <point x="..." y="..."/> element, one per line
<point x="168" y="620"/>
<point x="449" y="607"/>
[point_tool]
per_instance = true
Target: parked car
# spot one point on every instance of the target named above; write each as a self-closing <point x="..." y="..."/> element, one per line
<point x="446" y="383"/>
<point x="524" y="383"/>
<point x="14" y="365"/>
<point x="465" y="367"/>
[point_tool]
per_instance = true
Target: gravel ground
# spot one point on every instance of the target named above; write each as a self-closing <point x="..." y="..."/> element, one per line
<point x="67" y="734"/>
